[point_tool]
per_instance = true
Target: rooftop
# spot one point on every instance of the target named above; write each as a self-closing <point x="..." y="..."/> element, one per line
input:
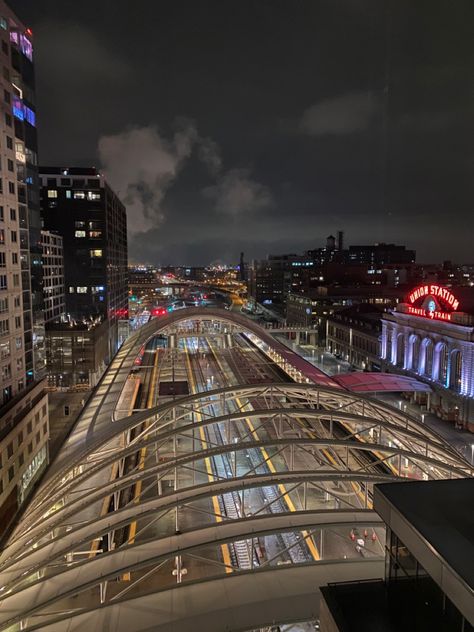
<point x="441" y="513"/>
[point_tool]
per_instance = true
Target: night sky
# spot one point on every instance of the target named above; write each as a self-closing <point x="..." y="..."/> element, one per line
<point x="265" y="125"/>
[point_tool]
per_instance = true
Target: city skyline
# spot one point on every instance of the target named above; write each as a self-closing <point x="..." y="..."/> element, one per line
<point x="353" y="116"/>
<point x="194" y="444"/>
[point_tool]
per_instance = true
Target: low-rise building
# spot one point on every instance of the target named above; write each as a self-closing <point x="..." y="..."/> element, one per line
<point x="354" y="334"/>
<point x="24" y="433"/>
<point x="76" y="353"/>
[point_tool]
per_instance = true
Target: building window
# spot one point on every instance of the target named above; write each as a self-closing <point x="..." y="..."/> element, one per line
<point x="95" y="234"/>
<point x="11" y="188"/>
<point x="68" y="194"/>
<point x="9" y="142"/>
<point x="3" y="262"/>
<point x="1" y="214"/>
<point x="93" y="196"/>
<point x="80" y="224"/>
<point x="3" y="282"/>
<point x="82" y="289"/>
<point x="10" y="165"/>
<point x="80" y="233"/>
<point x="79" y="195"/>
<point x="13" y="236"/>
<point x="96" y="253"/>
<point x="13" y="214"/>
<point x="11" y="473"/>
<point x="17" y="322"/>
<point x="71" y="289"/>
<point x="52" y="193"/>
<point x="14" y="258"/>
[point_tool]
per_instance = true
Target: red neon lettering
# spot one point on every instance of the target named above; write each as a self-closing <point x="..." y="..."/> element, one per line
<point x="419" y="311"/>
<point x="434" y="290"/>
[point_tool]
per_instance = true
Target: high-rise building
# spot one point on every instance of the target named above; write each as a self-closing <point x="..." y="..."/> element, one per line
<point x="20" y="248"/>
<point x="79" y="205"/>
<point x="24" y="427"/>
<point x="53" y="276"/>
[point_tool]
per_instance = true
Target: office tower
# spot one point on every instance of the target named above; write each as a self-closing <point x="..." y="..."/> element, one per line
<point x="53" y="276"/>
<point x="79" y="205"/>
<point x="24" y="427"/>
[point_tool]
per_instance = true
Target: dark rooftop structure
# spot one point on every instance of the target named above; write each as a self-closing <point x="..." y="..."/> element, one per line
<point x="442" y="512"/>
<point x="429" y="581"/>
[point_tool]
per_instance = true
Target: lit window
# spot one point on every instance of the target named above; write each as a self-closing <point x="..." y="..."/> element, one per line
<point x="80" y="233"/>
<point x="79" y="195"/>
<point x="68" y="194"/>
<point x="95" y="234"/>
<point x="96" y="253"/>
<point x="26" y="47"/>
<point x="93" y="196"/>
<point x="82" y="289"/>
<point x="30" y="116"/>
<point x="52" y="193"/>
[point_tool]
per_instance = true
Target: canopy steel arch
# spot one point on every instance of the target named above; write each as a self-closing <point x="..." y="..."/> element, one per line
<point x="312" y="394"/>
<point x="155" y="436"/>
<point x="56" y="525"/>
<point x="74" y="535"/>
<point x="155" y="416"/>
<point x="43" y="592"/>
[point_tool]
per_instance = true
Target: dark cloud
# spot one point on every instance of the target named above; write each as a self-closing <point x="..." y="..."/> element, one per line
<point x="375" y="97"/>
<point x="345" y="114"/>
<point x="237" y="193"/>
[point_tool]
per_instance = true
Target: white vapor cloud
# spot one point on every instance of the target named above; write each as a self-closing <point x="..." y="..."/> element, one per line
<point x="140" y="165"/>
<point x="340" y="115"/>
<point x="236" y="193"/>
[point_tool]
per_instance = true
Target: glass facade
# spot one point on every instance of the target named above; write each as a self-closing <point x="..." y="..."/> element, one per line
<point x="416" y="601"/>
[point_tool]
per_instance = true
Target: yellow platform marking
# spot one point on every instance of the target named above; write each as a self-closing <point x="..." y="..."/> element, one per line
<point x="113" y="473"/>
<point x="141" y="463"/>
<point x="207" y="461"/>
<point x="312" y="547"/>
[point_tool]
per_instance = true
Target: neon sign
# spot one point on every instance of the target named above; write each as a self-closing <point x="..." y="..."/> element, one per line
<point x="432" y="301"/>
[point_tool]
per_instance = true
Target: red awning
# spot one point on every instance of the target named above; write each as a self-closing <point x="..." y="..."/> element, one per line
<point x="375" y="382"/>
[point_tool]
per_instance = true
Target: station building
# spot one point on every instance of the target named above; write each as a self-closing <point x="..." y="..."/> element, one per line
<point x="430" y="336"/>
